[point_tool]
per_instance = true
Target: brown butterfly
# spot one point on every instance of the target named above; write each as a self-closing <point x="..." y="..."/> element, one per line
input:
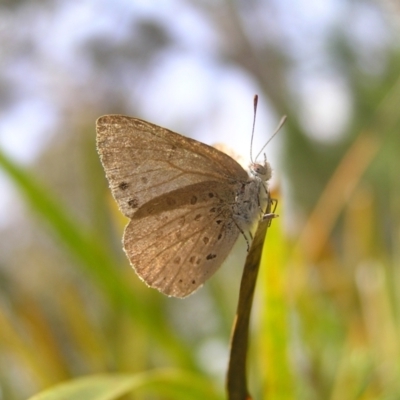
<point x="187" y="202"/>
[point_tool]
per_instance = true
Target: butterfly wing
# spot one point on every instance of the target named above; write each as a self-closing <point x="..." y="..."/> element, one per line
<point x="143" y="161"/>
<point x="176" y="242"/>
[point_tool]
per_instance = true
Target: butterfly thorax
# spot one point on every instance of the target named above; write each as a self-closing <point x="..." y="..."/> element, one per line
<point x="252" y="197"/>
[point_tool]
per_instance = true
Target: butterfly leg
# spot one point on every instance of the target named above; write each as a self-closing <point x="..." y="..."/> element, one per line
<point x="244" y="235"/>
<point x="270" y="216"/>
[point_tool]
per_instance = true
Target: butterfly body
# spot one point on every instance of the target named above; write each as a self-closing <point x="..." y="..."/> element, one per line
<point x="187" y="202"/>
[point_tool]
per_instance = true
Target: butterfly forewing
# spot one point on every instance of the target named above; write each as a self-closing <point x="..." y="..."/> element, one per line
<point x="143" y="161"/>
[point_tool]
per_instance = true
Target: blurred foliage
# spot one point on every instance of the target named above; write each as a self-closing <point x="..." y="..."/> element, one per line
<point x="326" y="315"/>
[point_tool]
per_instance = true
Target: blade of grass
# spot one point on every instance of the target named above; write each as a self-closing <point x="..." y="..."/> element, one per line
<point x="236" y="380"/>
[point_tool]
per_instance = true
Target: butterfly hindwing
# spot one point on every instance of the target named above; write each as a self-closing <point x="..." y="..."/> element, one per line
<point x="178" y="245"/>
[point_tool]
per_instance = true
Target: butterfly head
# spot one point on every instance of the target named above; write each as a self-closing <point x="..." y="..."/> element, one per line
<point x="261" y="171"/>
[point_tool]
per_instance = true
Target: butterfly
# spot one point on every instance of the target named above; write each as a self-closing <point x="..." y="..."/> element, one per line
<point x="187" y="202"/>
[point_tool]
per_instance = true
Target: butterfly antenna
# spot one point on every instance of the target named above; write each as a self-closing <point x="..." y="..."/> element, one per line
<point x="282" y="121"/>
<point x="255" y="103"/>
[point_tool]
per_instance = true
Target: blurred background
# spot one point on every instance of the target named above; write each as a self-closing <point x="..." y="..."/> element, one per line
<point x="326" y="314"/>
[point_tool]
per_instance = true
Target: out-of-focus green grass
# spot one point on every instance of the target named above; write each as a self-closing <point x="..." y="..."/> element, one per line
<point x="330" y="326"/>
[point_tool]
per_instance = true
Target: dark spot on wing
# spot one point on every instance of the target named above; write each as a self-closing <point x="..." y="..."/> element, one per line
<point x="211" y="256"/>
<point x="144" y="179"/>
<point x="171" y="201"/>
<point x="177" y="260"/>
<point x="133" y="203"/>
<point x="197" y="217"/>
<point x="218" y="221"/>
<point x="206" y="239"/>
<point x="210" y="195"/>
<point x="219" y="236"/>
<point x="193" y="281"/>
<point x="123" y="185"/>
<point x="193" y="200"/>
<point x="192" y="259"/>
<point x="171" y="151"/>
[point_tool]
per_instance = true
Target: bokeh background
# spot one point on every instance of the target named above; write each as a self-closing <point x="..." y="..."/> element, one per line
<point x="326" y="315"/>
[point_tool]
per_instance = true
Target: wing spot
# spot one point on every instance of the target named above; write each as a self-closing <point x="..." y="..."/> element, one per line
<point x="192" y="259"/>
<point x="144" y="179"/>
<point x="210" y="195"/>
<point x="197" y="217"/>
<point x="220" y="236"/>
<point x="206" y="239"/>
<point x="133" y="203"/>
<point x="123" y="185"/>
<point x="171" y="151"/>
<point x="218" y="221"/>
<point x="177" y="260"/>
<point x="212" y="210"/>
<point x="180" y="281"/>
<point x="193" y="200"/>
<point x="193" y="281"/>
<point x="198" y="261"/>
<point x="211" y="256"/>
<point x="171" y="201"/>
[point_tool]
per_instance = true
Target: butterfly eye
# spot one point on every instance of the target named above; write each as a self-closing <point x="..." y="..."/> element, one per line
<point x="258" y="169"/>
<point x="262" y="171"/>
